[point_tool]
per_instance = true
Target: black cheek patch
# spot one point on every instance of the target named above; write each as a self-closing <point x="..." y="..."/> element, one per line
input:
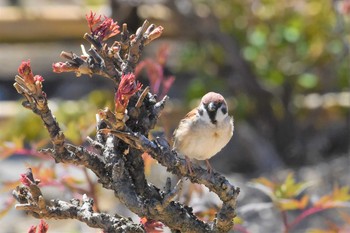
<point x="224" y="110"/>
<point x="200" y="111"/>
<point x="211" y="114"/>
<point x="212" y="117"/>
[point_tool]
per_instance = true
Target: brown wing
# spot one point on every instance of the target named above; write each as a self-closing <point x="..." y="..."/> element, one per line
<point x="188" y="116"/>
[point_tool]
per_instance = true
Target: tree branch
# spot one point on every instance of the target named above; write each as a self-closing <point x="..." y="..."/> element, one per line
<point x="160" y="150"/>
<point x="117" y="161"/>
<point x="32" y="201"/>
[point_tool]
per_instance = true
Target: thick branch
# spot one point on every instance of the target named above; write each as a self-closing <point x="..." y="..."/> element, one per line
<point x="217" y="183"/>
<point x="118" y="163"/>
<point x="75" y="209"/>
<point x="114" y="175"/>
<point x="149" y="203"/>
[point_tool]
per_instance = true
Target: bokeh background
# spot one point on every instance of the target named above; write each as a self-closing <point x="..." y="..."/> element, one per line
<point x="282" y="65"/>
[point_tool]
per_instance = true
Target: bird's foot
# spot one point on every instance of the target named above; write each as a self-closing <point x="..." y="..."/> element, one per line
<point x="189" y="166"/>
<point x="209" y="168"/>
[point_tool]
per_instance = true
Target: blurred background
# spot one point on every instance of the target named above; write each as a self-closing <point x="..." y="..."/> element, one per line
<point x="282" y="65"/>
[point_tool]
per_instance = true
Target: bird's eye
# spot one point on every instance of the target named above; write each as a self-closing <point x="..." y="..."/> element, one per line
<point x="224" y="110"/>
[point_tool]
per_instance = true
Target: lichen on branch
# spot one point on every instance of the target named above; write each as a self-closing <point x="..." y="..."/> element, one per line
<point x="31" y="199"/>
<point x="122" y="137"/>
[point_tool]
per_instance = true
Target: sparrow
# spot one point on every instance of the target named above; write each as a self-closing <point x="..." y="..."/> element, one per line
<point x="204" y="131"/>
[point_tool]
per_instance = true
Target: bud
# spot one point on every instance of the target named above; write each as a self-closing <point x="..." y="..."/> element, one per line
<point x="102" y="29"/>
<point x="25" y="71"/>
<point x="128" y="87"/>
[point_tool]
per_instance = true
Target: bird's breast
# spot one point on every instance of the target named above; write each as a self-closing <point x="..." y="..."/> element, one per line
<point x="204" y="141"/>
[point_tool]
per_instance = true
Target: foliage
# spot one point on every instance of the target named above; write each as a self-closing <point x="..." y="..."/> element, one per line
<point x="43" y="227"/>
<point x="290" y="195"/>
<point x="159" y="82"/>
<point x="294" y="42"/>
<point x="266" y="54"/>
<point x="25" y="128"/>
<point x="203" y="60"/>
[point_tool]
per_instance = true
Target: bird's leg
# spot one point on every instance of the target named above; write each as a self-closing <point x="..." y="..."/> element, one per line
<point x="188" y="165"/>
<point x="209" y="168"/>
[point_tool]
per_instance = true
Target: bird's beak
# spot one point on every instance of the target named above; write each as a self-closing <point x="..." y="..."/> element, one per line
<point x="212" y="107"/>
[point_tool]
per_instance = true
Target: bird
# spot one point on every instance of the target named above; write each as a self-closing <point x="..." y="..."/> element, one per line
<point x="204" y="131"/>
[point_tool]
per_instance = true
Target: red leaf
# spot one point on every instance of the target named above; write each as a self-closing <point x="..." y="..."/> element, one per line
<point x="154" y="73"/>
<point x="127" y="88"/>
<point x="344" y="7"/>
<point x="25" y="71"/>
<point x="167" y="83"/>
<point x="102" y="29"/>
<point x="43" y="227"/>
<point x="39" y="78"/>
<point x="60" y="67"/>
<point x="107" y="29"/>
<point x="151" y="226"/>
<point x="163" y="54"/>
<point x="25" y="180"/>
<point x="92" y="20"/>
<point x="158" y="82"/>
<point x="32" y="229"/>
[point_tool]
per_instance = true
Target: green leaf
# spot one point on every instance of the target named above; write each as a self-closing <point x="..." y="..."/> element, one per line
<point x="257" y="38"/>
<point x="250" y="53"/>
<point x="308" y="80"/>
<point x="289" y="188"/>
<point x="291" y="34"/>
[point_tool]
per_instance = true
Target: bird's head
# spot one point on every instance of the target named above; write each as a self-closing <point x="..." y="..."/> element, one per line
<point x="213" y="108"/>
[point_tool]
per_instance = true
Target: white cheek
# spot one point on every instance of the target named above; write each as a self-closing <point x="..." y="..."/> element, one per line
<point x="204" y="117"/>
<point x="220" y="116"/>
